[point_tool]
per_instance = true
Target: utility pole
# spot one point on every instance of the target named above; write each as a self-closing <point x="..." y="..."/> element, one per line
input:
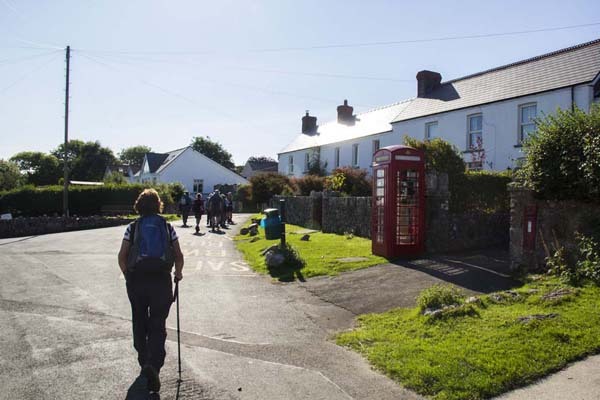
<point x="66" y="169"/>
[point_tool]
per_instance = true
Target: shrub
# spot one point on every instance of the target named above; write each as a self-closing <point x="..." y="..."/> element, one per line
<point x="577" y="265"/>
<point x="350" y="181"/>
<point x="484" y="191"/>
<point x="83" y="200"/>
<point x="563" y="156"/>
<point x="440" y="156"/>
<point x="267" y="185"/>
<point x="438" y="296"/>
<point x="308" y="183"/>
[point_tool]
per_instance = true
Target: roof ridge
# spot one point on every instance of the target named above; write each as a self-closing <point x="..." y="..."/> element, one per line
<point x="386" y="106"/>
<point x="527" y="60"/>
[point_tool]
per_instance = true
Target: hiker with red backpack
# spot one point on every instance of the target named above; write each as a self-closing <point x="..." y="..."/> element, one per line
<point x="148" y="251"/>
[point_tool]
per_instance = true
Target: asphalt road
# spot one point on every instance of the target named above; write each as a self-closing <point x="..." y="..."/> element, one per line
<point x="65" y="327"/>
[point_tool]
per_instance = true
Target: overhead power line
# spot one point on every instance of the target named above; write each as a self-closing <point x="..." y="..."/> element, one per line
<point x="347" y="45"/>
<point x="31" y="71"/>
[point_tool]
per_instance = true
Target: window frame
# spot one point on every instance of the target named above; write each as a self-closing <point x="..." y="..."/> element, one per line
<point x="291" y="164"/>
<point x="520" y="135"/>
<point x="427" y="125"/>
<point x="198" y="183"/>
<point x="306" y="161"/>
<point x="355" y="154"/>
<point x="336" y="157"/>
<point x="376" y="145"/>
<point x="470" y="133"/>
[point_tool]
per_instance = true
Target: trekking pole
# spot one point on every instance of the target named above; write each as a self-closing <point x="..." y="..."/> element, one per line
<point x="176" y="298"/>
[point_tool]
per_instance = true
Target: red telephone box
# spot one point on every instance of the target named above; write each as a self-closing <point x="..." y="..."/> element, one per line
<point x="398" y="212"/>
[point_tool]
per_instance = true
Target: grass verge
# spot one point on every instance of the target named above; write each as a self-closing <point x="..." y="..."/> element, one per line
<point x="323" y="253"/>
<point x="481" y="354"/>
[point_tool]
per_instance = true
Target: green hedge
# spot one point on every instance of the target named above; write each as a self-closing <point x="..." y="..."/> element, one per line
<point x="83" y="200"/>
<point x="480" y="191"/>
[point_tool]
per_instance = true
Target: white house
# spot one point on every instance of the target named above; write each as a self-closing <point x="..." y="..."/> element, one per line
<point x="484" y="114"/>
<point x="129" y="172"/>
<point x="256" y="167"/>
<point x="198" y="173"/>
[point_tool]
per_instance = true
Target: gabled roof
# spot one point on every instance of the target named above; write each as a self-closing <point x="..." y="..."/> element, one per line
<point x="155" y="160"/>
<point x="171" y="156"/>
<point x="263" y="165"/>
<point x="563" y="68"/>
<point x="367" y="123"/>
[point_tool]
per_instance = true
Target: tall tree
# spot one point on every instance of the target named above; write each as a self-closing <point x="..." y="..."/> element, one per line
<point x="87" y="161"/>
<point x="134" y="156"/>
<point x="39" y="168"/>
<point x="213" y="150"/>
<point x="10" y="176"/>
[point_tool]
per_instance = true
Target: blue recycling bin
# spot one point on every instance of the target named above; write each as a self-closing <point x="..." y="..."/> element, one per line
<point x="272" y="224"/>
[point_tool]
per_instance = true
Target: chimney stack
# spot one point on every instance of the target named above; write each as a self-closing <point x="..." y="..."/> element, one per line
<point x="309" y="124"/>
<point x="427" y="81"/>
<point x="344" y="113"/>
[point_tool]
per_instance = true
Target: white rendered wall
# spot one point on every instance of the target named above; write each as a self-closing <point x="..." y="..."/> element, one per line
<point x="192" y="165"/>
<point x="500" y="131"/>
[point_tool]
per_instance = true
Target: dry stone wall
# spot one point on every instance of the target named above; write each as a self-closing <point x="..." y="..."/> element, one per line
<point x="556" y="223"/>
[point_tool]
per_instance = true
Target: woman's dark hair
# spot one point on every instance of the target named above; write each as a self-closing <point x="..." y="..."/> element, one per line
<point x="148" y="203"/>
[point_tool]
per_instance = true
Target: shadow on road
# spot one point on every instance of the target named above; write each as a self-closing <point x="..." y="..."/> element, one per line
<point x="484" y="271"/>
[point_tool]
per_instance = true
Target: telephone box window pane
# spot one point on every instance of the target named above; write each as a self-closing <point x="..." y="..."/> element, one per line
<point x="407" y="207"/>
<point x="379" y="206"/>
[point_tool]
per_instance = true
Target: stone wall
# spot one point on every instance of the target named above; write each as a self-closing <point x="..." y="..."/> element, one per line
<point x="18" y="227"/>
<point x="555" y="225"/>
<point x="347" y="214"/>
<point x="446" y="232"/>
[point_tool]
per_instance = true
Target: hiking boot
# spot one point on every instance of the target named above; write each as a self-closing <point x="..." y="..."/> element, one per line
<point x="153" y="380"/>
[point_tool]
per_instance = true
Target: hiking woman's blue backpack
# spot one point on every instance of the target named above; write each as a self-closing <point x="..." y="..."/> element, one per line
<point x="151" y="248"/>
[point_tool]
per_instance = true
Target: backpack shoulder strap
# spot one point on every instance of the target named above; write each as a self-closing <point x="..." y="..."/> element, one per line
<point x="132" y="233"/>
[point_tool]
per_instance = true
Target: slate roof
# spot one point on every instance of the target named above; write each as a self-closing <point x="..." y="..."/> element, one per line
<point x="263" y="165"/>
<point x="158" y="161"/>
<point x="563" y="68"/>
<point x="121" y="168"/>
<point x="155" y="160"/>
<point x="367" y="123"/>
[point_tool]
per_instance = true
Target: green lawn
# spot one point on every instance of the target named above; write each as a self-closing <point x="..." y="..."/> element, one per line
<point x="487" y="352"/>
<point x="321" y="253"/>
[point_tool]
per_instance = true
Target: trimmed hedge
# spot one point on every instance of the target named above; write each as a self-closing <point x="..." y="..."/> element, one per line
<point x="480" y="191"/>
<point x="83" y="200"/>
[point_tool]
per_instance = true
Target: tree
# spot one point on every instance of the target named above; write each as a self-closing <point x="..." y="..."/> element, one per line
<point x="261" y="159"/>
<point x="10" y="176"/>
<point x="213" y="150"/>
<point x="39" y="168"/>
<point x="87" y="161"/>
<point x="134" y="156"/>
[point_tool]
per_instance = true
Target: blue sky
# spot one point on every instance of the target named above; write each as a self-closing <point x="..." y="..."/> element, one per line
<point x="244" y="72"/>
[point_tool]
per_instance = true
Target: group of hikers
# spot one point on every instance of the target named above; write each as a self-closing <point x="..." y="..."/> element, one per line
<point x="217" y="206"/>
<point x="149" y="251"/>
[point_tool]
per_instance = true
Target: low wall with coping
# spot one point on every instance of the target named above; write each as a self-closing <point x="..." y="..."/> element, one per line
<point x="446" y="231"/>
<point x="21" y="226"/>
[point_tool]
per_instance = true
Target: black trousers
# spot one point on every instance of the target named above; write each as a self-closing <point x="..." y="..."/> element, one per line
<point x="151" y="297"/>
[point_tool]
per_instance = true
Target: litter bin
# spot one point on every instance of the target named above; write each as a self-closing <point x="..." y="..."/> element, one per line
<point x="272" y="224"/>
